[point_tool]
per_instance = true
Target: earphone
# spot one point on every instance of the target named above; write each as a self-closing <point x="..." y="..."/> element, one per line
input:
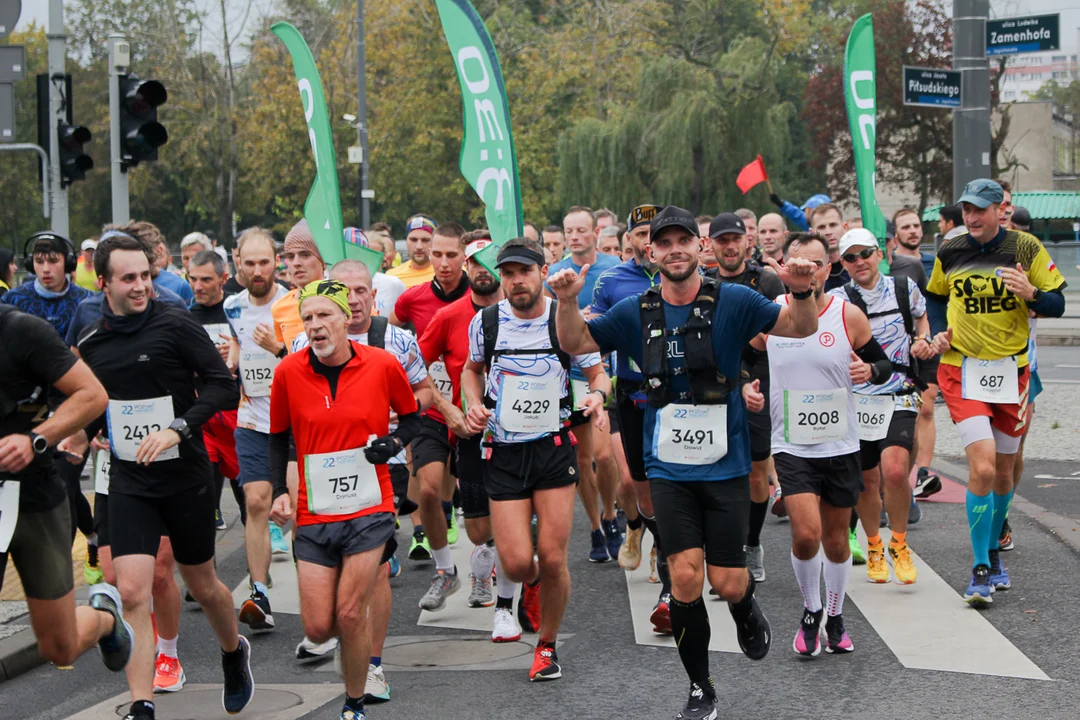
<point x="70" y="263"/>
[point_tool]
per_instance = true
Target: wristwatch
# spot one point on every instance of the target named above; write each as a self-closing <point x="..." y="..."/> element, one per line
<point x="601" y="393"/>
<point x="282" y="352"/>
<point x="181" y="428"/>
<point x="1037" y="296"/>
<point x="38" y="443"/>
<point x="802" y="295"/>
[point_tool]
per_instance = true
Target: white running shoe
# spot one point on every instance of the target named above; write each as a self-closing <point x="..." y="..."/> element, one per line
<point x="506" y="627"/>
<point x="308" y="650"/>
<point x="376" y="689"/>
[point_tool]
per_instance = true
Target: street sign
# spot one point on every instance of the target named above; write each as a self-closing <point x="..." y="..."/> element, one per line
<point x="7" y="112"/>
<point x="1012" y="36"/>
<point x="929" y="87"/>
<point x="356" y="155"/>
<point x="12" y="63"/>
<point x="9" y="15"/>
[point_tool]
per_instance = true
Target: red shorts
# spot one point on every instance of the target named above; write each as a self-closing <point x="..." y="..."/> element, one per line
<point x="1010" y="420"/>
<point x="220" y="445"/>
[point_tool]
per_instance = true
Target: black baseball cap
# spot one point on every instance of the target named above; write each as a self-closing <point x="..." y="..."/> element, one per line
<point x="672" y="216"/>
<point x="1021" y="218"/>
<point x="521" y="254"/>
<point x="642" y="215"/>
<point x="725" y="223"/>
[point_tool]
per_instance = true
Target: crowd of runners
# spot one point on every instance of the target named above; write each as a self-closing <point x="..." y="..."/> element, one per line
<point x="680" y="375"/>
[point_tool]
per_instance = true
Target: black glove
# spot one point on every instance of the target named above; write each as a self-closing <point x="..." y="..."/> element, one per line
<point x="776" y="200"/>
<point x="382" y="449"/>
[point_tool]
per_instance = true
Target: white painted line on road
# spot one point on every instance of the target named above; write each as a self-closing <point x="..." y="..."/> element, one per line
<point x="203" y="702"/>
<point x="928" y="626"/>
<point x="1068" y="366"/>
<point x="285" y="595"/>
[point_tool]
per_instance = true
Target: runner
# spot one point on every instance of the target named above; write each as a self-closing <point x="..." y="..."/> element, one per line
<point x="816" y="449"/>
<point x="385" y="289"/>
<point x="147" y="356"/>
<point x="446" y="253"/>
<point x="728" y="234"/>
<point x="33" y="360"/>
<point x="981" y="329"/>
<point x="254" y="354"/>
<point x="886" y="412"/>
<point x="335" y="399"/>
<point x="554" y="244"/>
<point x="529" y="463"/>
<point x="827" y="221"/>
<point x="753" y="252"/>
<point x="193" y="244"/>
<point x="692" y="331"/>
<point x="417" y="270"/>
<point x="306" y="265"/>
<point x="772" y="232"/>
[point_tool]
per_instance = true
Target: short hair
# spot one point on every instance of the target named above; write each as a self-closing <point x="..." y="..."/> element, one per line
<point x="534" y="226"/>
<point x="824" y="208"/>
<point x="474" y="235"/>
<point x="256" y="233"/>
<point x="605" y="213"/>
<point x="582" y="209"/>
<point x="952" y="213"/>
<point x="141" y="232"/>
<point x="107" y="247"/>
<point x="804" y="238"/>
<point x="904" y="211"/>
<point x="381" y="227"/>
<point x="453" y="230"/>
<point x="209" y="257"/>
<point x="703" y="219"/>
<point x="524" y="242"/>
<point x="553" y="229"/>
<point x="351" y="265"/>
<point x="746" y="214"/>
<point x="1005" y="184"/>
<point x="196" y="238"/>
<point x="612" y="231"/>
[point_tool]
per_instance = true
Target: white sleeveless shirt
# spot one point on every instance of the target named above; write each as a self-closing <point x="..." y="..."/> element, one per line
<point x="812" y="405"/>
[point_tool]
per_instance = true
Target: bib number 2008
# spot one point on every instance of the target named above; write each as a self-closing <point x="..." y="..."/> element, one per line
<point x="819" y="418"/>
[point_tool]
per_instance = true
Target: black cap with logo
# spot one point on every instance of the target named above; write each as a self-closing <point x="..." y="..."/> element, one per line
<point x="726" y="223"/>
<point x="670" y="217"/>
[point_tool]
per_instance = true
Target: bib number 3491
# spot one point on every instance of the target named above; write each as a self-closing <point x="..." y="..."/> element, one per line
<point x="990" y="381"/>
<point x="691" y="434"/>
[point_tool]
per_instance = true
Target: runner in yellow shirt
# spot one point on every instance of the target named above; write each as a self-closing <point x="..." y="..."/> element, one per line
<point x="418" y="269"/>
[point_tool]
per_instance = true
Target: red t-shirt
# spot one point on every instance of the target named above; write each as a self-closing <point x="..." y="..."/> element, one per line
<point x="370" y="383"/>
<point x="447" y="337"/>
<point x="418" y="305"/>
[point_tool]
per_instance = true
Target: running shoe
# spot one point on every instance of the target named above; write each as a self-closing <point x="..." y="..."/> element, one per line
<point x="808" y="637"/>
<point x="926" y="483"/>
<point x="92" y="570"/>
<point x="506" y="628"/>
<point x="395" y="566"/>
<point x="545" y="664"/>
<point x="630" y="551"/>
<point x="255" y="612"/>
<point x="903" y="565"/>
<point x="480" y="596"/>
<point x="838" y="642"/>
<point x="755" y="562"/>
<point x="599" y="552"/>
<point x="654" y="577"/>
<point x="979" y="590"/>
<point x="661" y="615"/>
<point x="877" y="570"/>
<point x="914" y="513"/>
<point x="168" y="675"/>
<point x="858" y="557"/>
<point x="778" y="508"/>
<point x="528" y="609"/>
<point x="278" y="546"/>
<point x="239" y="687"/>
<point x="612" y="536"/>
<point x="219" y="521"/>
<point x="1005" y="540"/>
<point x="752" y="629"/>
<point x="451" y="529"/>
<point x="376" y="689"/>
<point x="420" y="550"/>
<point x="350" y="714"/>
<point x="443" y="585"/>
<point x="115" y="647"/>
<point x="701" y="705"/>
<point x="308" y="650"/>
<point x="999" y="576"/>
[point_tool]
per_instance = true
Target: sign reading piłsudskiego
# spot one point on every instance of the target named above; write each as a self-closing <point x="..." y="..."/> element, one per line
<point x="930" y="87"/>
<point x="1012" y="36"/>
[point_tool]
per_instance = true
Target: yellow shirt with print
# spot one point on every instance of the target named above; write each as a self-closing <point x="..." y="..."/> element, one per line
<point x="407" y="273"/>
<point x="988" y="321"/>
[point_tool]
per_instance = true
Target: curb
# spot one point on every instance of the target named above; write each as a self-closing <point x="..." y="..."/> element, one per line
<point x="1046" y="340"/>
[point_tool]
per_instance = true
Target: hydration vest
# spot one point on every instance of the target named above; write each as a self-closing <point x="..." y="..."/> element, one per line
<point x="489" y="323"/>
<point x="903" y="303"/>
<point x="376" y="334"/>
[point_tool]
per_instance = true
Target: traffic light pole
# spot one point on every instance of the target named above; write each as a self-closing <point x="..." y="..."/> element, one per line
<point x="57" y="48"/>
<point x="119" y="58"/>
<point x="971" y="121"/>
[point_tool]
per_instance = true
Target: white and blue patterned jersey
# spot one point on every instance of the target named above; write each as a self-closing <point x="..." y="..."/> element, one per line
<point x="519" y="334"/>
<point x="889" y="329"/>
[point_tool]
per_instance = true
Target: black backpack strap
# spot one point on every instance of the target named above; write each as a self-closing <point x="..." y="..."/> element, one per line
<point x="708" y="386"/>
<point x="903" y="301"/>
<point x="489" y="323"/>
<point x="376" y="336"/>
<point x="855" y="297"/>
<point x="553" y="336"/>
<point x="654" y="348"/>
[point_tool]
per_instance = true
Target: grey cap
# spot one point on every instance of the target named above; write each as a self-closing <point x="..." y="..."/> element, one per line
<point x="982" y="193"/>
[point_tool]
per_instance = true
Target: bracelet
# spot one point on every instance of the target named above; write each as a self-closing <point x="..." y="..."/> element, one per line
<point x="601" y="393"/>
<point x="803" y="295"/>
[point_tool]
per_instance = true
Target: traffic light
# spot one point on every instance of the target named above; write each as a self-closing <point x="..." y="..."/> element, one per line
<point x="73" y="161"/>
<point x="140" y="132"/>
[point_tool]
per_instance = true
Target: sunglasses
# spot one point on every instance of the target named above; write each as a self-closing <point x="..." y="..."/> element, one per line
<point x="863" y="254"/>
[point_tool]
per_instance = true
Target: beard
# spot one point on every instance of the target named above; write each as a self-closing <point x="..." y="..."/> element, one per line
<point x="325" y="352"/>
<point x="909" y="244"/>
<point x="484" y="288"/>
<point x="260" y="290"/>
<point x="680" y="276"/>
<point x="525" y="303"/>
<point x="731" y="264"/>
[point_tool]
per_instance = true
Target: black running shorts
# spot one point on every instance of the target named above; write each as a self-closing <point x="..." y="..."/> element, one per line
<point x="836" y="480"/>
<point x="41" y="550"/>
<point x="431" y="444"/>
<point x="632" y="423"/>
<point x="901" y="434"/>
<point x="714" y="514"/>
<point x="327" y="544"/>
<point x="515" y="471"/>
<point x="187" y="518"/>
<point x="470" y="474"/>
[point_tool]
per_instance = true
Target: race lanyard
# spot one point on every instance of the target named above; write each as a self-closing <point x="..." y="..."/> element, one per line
<point x="130" y="421"/>
<point x="215" y="331"/>
<point x="579" y="389"/>
<point x="341" y="483"/>
<point x="102" y="464"/>
<point x="257" y="371"/>
<point x="441" y="378"/>
<point x="9" y="511"/>
<point x="528" y="404"/>
<point x="990" y="381"/>
<point x="690" y="434"/>
<point x="815" y="417"/>
<point x="874" y="414"/>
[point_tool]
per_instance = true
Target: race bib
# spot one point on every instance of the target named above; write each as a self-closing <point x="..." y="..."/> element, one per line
<point x="257" y="371"/>
<point x="130" y="421"/>
<point x="579" y="389"/>
<point x="341" y="483"/>
<point x="815" y="417"/>
<point x="216" y="330"/>
<point x="874" y="414"/>
<point x="990" y="381"/>
<point x="528" y="404"/>
<point x="691" y="434"/>
<point x="441" y="378"/>
<point x="9" y="512"/>
<point x="102" y="463"/>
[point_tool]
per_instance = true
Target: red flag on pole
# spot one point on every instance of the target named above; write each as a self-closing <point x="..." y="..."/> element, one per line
<point x="751" y="175"/>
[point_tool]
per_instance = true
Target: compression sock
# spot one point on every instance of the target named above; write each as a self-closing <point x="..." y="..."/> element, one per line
<point x="836" y="580"/>
<point x="758" y="511"/>
<point x="418" y="530"/>
<point x="980" y="514"/>
<point x="690" y="626"/>
<point x="662" y="571"/>
<point x="1001" y="512"/>
<point x="808" y="574"/>
<point x="650" y="524"/>
<point x="448" y="510"/>
<point x="481" y="564"/>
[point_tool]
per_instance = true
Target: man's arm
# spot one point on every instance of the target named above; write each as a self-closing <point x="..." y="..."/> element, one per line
<point x="573" y="333"/>
<point x="425" y="393"/>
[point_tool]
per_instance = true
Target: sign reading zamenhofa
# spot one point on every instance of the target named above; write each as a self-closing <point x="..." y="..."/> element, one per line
<point x="1012" y="36"/>
<point x="930" y="87"/>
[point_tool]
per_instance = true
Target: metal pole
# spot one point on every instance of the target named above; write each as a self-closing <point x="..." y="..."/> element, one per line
<point x="361" y="116"/>
<point x="44" y="170"/>
<point x="971" y="121"/>
<point x="57" y="48"/>
<point x="121" y="207"/>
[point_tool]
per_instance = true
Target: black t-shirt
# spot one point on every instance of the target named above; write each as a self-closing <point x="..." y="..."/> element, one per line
<point x="909" y="267"/>
<point x="32" y="358"/>
<point x="213" y="320"/>
<point x="764" y="281"/>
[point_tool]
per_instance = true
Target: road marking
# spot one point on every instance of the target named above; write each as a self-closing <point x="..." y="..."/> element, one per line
<point x="1072" y="476"/>
<point x="927" y="626"/>
<point x="1072" y="367"/>
<point x="285" y="595"/>
<point x="199" y="702"/>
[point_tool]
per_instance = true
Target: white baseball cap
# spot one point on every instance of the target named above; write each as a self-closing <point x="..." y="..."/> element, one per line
<point x="88" y="245"/>
<point x="857" y="237"/>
